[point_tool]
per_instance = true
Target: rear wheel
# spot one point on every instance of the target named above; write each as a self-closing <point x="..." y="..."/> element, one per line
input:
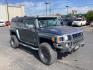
<point x="47" y="55"/>
<point x="14" y="41"/>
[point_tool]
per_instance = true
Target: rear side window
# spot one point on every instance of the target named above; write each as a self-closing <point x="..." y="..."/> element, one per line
<point x="17" y="22"/>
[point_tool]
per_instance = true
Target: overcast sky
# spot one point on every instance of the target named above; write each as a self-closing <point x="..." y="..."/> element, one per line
<point x="37" y="7"/>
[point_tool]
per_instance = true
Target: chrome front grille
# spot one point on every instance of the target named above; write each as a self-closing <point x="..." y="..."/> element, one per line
<point x="77" y="38"/>
<point x="77" y="35"/>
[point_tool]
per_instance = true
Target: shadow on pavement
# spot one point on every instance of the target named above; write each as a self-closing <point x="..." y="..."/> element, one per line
<point x="30" y="51"/>
<point x="35" y="53"/>
<point x="61" y="55"/>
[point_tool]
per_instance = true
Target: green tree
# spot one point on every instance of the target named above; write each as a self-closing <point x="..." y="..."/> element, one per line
<point x="89" y="16"/>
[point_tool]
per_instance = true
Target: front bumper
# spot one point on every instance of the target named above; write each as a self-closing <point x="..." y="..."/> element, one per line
<point x="69" y="46"/>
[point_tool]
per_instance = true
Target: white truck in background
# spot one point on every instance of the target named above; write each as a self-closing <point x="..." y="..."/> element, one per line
<point x="79" y="22"/>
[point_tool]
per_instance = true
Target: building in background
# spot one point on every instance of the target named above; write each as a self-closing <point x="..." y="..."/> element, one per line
<point x="13" y="11"/>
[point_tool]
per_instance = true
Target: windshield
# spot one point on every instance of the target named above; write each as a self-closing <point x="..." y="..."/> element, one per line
<point x="49" y="22"/>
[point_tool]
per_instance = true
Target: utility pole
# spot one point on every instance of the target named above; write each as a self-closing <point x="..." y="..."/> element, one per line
<point x="67" y="9"/>
<point x="7" y="9"/>
<point x="50" y="7"/>
<point x="46" y="3"/>
<point x="50" y="11"/>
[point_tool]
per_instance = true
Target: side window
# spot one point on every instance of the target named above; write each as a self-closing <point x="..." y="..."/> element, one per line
<point x="17" y="23"/>
<point x="20" y="23"/>
<point x="29" y="23"/>
<point x="13" y="22"/>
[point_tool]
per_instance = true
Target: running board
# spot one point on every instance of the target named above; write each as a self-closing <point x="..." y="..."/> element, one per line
<point x="29" y="46"/>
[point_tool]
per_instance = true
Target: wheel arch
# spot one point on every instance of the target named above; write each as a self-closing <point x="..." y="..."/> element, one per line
<point x="16" y="33"/>
<point x="43" y="40"/>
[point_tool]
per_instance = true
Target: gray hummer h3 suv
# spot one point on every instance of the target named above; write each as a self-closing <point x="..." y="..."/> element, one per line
<point x="45" y="34"/>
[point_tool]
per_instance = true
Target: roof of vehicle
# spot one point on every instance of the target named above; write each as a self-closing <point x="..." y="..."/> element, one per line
<point x="32" y="17"/>
<point x="46" y="17"/>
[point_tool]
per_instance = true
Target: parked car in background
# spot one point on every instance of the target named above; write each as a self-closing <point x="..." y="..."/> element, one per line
<point x="2" y="22"/>
<point x="67" y="21"/>
<point x="91" y="24"/>
<point x="7" y="23"/>
<point x="79" y="22"/>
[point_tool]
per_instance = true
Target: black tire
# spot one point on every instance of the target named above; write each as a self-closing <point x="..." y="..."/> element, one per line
<point x="47" y="55"/>
<point x="14" y="41"/>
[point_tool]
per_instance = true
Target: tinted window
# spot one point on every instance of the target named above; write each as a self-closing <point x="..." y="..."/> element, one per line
<point x="17" y="22"/>
<point x="49" y="22"/>
<point x="29" y="23"/>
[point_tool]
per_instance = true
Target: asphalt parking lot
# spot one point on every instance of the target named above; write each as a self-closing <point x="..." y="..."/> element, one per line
<point x="27" y="59"/>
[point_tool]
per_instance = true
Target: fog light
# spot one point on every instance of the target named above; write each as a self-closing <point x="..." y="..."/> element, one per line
<point x="67" y="45"/>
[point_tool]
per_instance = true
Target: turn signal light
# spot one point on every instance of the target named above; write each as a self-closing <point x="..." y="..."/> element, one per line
<point x="53" y="39"/>
<point x="58" y="40"/>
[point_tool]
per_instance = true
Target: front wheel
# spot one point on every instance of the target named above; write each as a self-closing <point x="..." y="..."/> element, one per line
<point x="47" y="55"/>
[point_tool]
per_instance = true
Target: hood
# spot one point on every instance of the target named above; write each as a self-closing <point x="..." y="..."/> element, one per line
<point x="60" y="30"/>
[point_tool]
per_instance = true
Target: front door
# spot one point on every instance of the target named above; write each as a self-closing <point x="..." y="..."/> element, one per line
<point x="28" y="34"/>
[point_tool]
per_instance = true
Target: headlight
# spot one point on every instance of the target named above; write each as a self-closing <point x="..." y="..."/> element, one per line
<point x="65" y="37"/>
<point x="59" y="39"/>
<point x="56" y="39"/>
